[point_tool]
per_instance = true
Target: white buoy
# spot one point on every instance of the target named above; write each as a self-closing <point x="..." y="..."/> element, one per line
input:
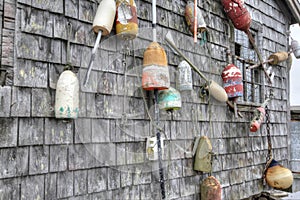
<point x="185" y="80"/>
<point x="104" y="18"/>
<point x="67" y="96"/>
<point x="102" y="24"/>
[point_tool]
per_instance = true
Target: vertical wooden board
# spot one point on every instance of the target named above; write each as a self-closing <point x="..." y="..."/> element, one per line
<point x="31" y="131"/>
<point x="72" y="8"/>
<point x="31" y="74"/>
<point x="39" y="160"/>
<point x="87" y="10"/>
<point x="21" y="102"/>
<point x="42" y="103"/>
<point x="5" y="101"/>
<point x="64" y="184"/>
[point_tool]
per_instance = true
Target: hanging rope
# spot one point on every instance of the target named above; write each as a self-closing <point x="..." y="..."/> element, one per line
<point x="69" y="65"/>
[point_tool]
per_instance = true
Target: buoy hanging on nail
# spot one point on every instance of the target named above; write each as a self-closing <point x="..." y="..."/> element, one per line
<point x="233" y="81"/>
<point x="104" y="18"/>
<point x="169" y="99"/>
<point x="155" y="68"/>
<point x="203" y="157"/>
<point x="102" y="25"/>
<point x="210" y="189"/>
<point x="258" y="118"/>
<point x="126" y="19"/>
<point x="67" y="96"/>
<point x="238" y="14"/>
<point x="278" y="57"/>
<point x="295" y="48"/>
<point x="185" y="80"/>
<point x="189" y="17"/>
<point x="278" y="176"/>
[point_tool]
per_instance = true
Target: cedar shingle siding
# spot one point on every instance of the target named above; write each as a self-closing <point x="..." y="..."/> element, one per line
<point x="101" y="155"/>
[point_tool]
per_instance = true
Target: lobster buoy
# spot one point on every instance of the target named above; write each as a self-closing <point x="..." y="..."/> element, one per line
<point x="67" y="96"/>
<point x="256" y="122"/>
<point x="233" y="81"/>
<point x="126" y="19"/>
<point x="104" y="18"/>
<point x="295" y="48"/>
<point x="190" y="20"/>
<point x="203" y="155"/>
<point x="238" y="14"/>
<point x="278" y="57"/>
<point x="155" y="68"/>
<point x="278" y="176"/>
<point x="185" y="76"/>
<point x="152" y="148"/>
<point x="210" y="189"/>
<point x="217" y="91"/>
<point x="169" y="99"/>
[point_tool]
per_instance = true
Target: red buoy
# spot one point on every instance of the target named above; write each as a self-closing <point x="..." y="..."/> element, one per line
<point x="238" y="14"/>
<point x="211" y="189"/>
<point x="233" y="81"/>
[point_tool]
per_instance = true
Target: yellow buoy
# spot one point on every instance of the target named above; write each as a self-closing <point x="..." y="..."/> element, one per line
<point x="278" y="176"/>
<point x="126" y="19"/>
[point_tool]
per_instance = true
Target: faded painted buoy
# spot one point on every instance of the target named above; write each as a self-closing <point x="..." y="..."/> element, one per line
<point x="104" y="18"/>
<point x="259" y="114"/>
<point x="203" y="155"/>
<point x="238" y="14"/>
<point x="155" y="68"/>
<point x="295" y="48"/>
<point x="126" y="19"/>
<point x="190" y="20"/>
<point x="217" y="91"/>
<point x="67" y="96"/>
<point x="152" y="148"/>
<point x="278" y="176"/>
<point x="278" y="57"/>
<point x="169" y="99"/>
<point x="233" y="81"/>
<point x="185" y="81"/>
<point x="211" y="189"/>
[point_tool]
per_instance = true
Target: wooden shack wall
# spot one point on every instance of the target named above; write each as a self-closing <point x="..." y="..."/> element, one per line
<point x="101" y="156"/>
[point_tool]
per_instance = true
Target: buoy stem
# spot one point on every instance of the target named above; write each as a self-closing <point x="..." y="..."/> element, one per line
<point x="185" y="58"/>
<point x="87" y="75"/>
<point x="195" y="21"/>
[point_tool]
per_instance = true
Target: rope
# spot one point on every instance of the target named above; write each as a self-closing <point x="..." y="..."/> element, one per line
<point x="68" y="62"/>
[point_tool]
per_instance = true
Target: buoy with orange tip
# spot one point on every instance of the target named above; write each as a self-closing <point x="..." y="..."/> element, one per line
<point x="155" y="68"/>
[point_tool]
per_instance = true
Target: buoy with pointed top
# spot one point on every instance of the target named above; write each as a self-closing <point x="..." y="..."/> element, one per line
<point x="203" y="155"/>
<point x="126" y="19"/>
<point x="185" y="80"/>
<point x="169" y="99"/>
<point x="67" y="96"/>
<point x="155" y="68"/>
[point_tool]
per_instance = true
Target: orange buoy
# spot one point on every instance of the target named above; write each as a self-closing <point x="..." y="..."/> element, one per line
<point x="278" y="176"/>
<point x="155" y="68"/>
<point x="126" y="19"/>
<point x="210" y="189"/>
